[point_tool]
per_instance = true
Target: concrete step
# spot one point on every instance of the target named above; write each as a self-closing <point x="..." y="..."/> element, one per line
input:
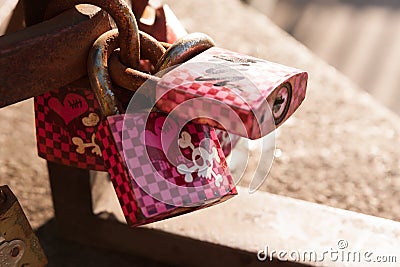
<point x="263" y="228"/>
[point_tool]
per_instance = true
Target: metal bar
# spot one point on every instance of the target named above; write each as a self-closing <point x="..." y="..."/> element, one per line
<point x="48" y="55"/>
<point x="71" y="192"/>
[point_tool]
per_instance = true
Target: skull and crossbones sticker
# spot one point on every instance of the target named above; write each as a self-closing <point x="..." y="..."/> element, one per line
<point x="202" y="159"/>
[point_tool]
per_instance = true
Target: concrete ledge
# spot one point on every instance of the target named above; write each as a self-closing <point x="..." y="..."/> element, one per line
<point x="251" y="222"/>
<point x="290" y="230"/>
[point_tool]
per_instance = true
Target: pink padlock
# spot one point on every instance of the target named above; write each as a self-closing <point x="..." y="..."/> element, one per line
<point x="153" y="182"/>
<point x="244" y="95"/>
<point x="158" y="168"/>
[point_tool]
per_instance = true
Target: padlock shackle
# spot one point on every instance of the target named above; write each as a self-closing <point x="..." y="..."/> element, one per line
<point x="184" y="49"/>
<point x="123" y="17"/>
<point x="99" y="77"/>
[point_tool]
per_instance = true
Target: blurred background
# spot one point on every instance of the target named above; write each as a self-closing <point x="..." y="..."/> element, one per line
<point x="361" y="38"/>
<point x="341" y="149"/>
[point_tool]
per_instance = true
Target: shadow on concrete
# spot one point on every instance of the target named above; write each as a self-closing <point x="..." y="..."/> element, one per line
<point x="63" y="253"/>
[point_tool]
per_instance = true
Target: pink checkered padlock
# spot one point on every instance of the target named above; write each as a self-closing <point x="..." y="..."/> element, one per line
<point x="158" y="169"/>
<point x="66" y="122"/>
<point x="244" y="95"/>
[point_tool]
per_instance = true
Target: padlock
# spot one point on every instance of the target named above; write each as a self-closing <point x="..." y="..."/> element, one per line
<point x="243" y="95"/>
<point x="67" y="118"/>
<point x="158" y="170"/>
<point x="19" y="245"/>
<point x="66" y="122"/>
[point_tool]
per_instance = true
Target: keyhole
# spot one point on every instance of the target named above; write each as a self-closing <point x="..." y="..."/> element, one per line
<point x="14" y="252"/>
<point x="278" y="103"/>
<point x="282" y="103"/>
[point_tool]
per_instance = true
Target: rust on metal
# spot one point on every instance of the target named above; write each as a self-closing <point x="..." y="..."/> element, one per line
<point x="99" y="72"/>
<point x="47" y="55"/>
<point x="132" y="79"/>
<point x="128" y="78"/>
<point x="123" y="17"/>
<point x="184" y="49"/>
<point x="150" y="48"/>
<point x="177" y="53"/>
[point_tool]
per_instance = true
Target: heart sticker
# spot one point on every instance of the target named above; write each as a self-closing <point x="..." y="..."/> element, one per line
<point x="72" y="107"/>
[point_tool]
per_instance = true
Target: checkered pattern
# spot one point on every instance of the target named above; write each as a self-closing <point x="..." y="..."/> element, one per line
<point x="227" y="140"/>
<point x="54" y="135"/>
<point x="234" y="87"/>
<point x="155" y="185"/>
<point x="119" y="174"/>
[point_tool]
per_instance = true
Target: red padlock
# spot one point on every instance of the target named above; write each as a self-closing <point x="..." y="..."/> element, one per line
<point x="66" y="123"/>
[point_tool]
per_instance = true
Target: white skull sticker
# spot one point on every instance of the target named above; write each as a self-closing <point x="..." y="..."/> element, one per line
<point x="203" y="161"/>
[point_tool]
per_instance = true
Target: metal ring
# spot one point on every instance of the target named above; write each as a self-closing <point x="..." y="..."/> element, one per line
<point x="98" y="74"/>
